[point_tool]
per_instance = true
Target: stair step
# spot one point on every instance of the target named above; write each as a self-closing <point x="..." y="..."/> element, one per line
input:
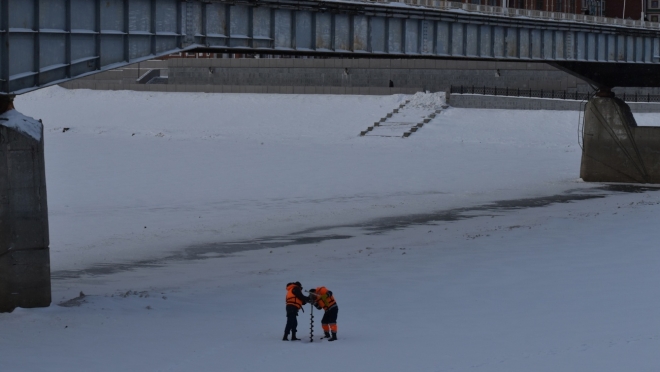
<point x="389" y="128"/>
<point x="382" y="135"/>
<point x="397" y="123"/>
<point x="402" y="121"/>
<point x="389" y="131"/>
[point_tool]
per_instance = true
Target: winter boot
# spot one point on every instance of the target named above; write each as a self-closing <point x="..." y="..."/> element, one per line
<point x="325" y="335"/>
<point x="334" y="337"/>
<point x="285" y="338"/>
<point x="293" y="337"/>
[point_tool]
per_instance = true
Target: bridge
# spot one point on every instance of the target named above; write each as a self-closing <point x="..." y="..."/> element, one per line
<point x="46" y="42"/>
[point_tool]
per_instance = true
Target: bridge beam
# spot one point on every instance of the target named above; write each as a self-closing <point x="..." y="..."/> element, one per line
<point x="24" y="252"/>
<point x="47" y="42"/>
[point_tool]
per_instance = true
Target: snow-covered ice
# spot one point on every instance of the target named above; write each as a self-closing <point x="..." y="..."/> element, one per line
<point x="471" y="245"/>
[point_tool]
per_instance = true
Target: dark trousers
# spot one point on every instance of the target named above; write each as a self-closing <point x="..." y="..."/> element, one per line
<point x="330" y="316"/>
<point x="291" y="320"/>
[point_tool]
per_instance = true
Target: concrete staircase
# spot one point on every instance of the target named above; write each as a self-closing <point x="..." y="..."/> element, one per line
<point x="403" y="121"/>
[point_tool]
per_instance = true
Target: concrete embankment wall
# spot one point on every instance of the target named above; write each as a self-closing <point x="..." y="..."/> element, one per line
<point x="512" y="103"/>
<point x="422" y="74"/>
<point x="354" y="76"/>
<point x="330" y="76"/>
<point x="525" y="103"/>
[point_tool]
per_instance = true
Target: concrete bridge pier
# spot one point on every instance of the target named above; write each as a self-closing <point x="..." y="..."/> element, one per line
<point x="24" y="252"/>
<point x="615" y="149"/>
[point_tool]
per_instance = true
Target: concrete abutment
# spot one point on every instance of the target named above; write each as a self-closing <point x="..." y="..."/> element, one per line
<point x="615" y="149"/>
<point x="24" y="239"/>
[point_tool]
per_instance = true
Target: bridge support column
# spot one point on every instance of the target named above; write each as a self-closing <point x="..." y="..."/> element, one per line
<point x="24" y="252"/>
<point x="615" y="149"/>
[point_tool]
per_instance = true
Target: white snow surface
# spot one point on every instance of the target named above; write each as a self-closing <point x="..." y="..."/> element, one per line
<point x="21" y="123"/>
<point x="425" y="276"/>
<point x="427" y="101"/>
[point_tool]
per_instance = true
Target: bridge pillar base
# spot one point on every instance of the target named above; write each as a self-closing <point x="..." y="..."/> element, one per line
<point x="24" y="241"/>
<point x="615" y="149"/>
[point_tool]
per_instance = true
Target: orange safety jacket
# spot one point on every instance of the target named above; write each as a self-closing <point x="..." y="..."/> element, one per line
<point x="291" y="298"/>
<point x="325" y="299"/>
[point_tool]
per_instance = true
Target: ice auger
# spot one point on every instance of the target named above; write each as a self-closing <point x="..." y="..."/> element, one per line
<point x="311" y="323"/>
<point x="312" y="295"/>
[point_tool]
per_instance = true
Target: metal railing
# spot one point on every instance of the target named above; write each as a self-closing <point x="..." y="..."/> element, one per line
<point x="529" y="13"/>
<point x="545" y="93"/>
<point x="640" y="97"/>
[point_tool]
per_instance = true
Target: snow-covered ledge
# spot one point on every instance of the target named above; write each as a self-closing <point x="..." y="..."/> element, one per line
<point x="22" y="124"/>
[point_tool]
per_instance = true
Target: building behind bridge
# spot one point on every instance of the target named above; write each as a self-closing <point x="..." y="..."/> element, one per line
<point x="602" y="8"/>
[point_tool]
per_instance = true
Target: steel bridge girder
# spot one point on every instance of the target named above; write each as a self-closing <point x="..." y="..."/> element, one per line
<point x="50" y="41"/>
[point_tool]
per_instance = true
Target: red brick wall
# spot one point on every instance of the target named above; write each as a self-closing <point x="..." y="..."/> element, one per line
<point x="614" y="8"/>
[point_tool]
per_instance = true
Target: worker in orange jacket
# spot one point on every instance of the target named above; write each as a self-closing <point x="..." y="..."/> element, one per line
<point x="323" y="299"/>
<point x="294" y="302"/>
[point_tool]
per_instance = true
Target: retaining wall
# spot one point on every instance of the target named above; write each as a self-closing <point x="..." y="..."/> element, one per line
<point x="525" y="103"/>
<point x="326" y="76"/>
<point x="102" y="85"/>
<point x="336" y="76"/>
<point x="511" y="103"/>
<point x="424" y="74"/>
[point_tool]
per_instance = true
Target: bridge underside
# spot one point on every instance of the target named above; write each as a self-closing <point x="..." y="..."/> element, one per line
<point x="46" y="42"/>
<point x="610" y="75"/>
